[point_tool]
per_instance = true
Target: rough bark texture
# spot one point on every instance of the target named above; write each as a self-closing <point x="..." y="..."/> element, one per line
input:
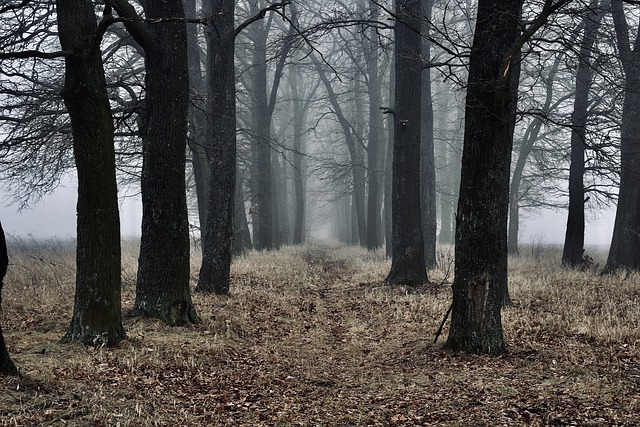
<point x="221" y="149"/>
<point x="96" y="313"/>
<point x="427" y="155"/>
<point x="162" y="289"/>
<point x="481" y="221"/>
<point x="574" y="239"/>
<point x="407" y="262"/>
<point x="6" y="364"/>
<point x="624" y="252"/>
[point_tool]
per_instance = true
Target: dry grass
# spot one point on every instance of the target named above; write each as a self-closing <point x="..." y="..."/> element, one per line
<point x="310" y="336"/>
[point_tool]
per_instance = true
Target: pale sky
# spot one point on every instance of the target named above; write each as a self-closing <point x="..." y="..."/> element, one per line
<point x="55" y="216"/>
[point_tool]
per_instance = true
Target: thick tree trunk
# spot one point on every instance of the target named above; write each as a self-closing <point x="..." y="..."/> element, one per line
<point x="163" y="289"/>
<point x="6" y="364"/>
<point x="407" y="262"/>
<point x="216" y="249"/>
<point x="574" y="239"/>
<point x="624" y="252"/>
<point x="481" y="221"/>
<point x="427" y="157"/>
<point x="97" y="308"/>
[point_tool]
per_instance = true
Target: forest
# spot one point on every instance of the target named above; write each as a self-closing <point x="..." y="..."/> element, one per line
<point x="332" y="194"/>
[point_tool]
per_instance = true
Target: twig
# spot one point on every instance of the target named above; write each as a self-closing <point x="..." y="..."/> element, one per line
<point x="446" y="316"/>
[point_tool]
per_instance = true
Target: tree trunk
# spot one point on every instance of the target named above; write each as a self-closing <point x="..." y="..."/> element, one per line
<point x="97" y="308"/>
<point x="388" y="169"/>
<point x="355" y="155"/>
<point x="427" y="157"/>
<point x="407" y="262"/>
<point x="242" y="236"/>
<point x="481" y="221"/>
<point x="574" y="239"/>
<point x="263" y="230"/>
<point x="6" y="364"/>
<point x="198" y="119"/>
<point x="625" y="243"/>
<point x="163" y="289"/>
<point x="216" y="249"/>
<point x="374" y="148"/>
<point x="298" y="152"/>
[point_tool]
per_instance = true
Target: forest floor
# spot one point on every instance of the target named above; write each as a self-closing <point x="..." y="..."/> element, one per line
<point x="311" y="336"/>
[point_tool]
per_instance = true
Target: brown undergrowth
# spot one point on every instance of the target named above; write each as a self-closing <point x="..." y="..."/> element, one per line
<point x="311" y="336"/>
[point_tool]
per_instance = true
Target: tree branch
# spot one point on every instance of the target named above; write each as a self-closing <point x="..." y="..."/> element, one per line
<point x="261" y="14"/>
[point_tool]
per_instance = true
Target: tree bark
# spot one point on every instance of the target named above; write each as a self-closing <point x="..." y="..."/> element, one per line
<point x="407" y="262"/>
<point x="624" y="252"/>
<point x="162" y="289"/>
<point x="217" y="243"/>
<point x="97" y="310"/>
<point x="6" y="364"/>
<point x="427" y="157"/>
<point x="481" y="221"/>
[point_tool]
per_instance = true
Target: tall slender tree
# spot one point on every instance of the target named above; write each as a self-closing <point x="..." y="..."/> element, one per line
<point x="574" y="239"/>
<point x="427" y="155"/>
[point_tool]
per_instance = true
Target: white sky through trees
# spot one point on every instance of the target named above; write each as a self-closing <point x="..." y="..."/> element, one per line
<point x="55" y="216"/>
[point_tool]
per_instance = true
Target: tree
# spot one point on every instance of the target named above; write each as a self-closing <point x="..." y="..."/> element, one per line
<point x="221" y="151"/>
<point x="427" y="155"/>
<point x="6" y="364"/>
<point x="375" y="145"/>
<point x="162" y="289"/>
<point x="407" y="262"/>
<point x="624" y="252"/>
<point x="96" y="313"/>
<point x="572" y="254"/>
<point x="480" y="282"/>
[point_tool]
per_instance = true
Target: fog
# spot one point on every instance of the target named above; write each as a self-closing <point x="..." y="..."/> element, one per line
<point x="54" y="216"/>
